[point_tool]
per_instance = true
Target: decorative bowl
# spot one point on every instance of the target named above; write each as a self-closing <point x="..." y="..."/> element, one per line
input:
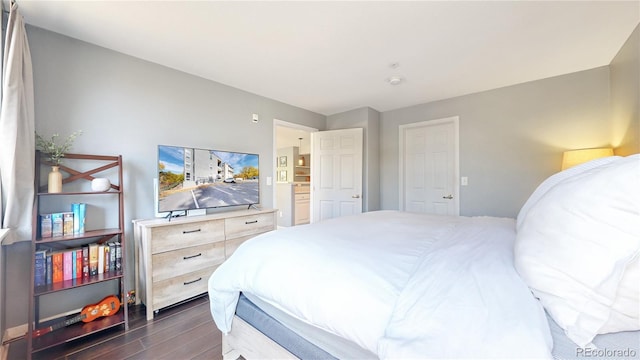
<point x="100" y="184"/>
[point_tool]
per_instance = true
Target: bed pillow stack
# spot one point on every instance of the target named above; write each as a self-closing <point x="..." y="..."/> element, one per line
<point x="578" y="247"/>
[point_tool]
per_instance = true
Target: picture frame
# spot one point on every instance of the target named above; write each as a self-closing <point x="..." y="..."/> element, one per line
<point x="282" y="161"/>
<point x="282" y="176"/>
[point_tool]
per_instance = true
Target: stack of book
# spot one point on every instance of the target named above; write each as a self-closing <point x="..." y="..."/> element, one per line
<point x="52" y="266"/>
<point x="64" y="223"/>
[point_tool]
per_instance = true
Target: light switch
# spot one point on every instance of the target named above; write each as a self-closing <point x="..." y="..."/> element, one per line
<point x="268" y="180"/>
<point x="464" y="181"/>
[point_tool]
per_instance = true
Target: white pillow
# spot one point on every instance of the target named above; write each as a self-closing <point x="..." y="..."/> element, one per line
<point x="578" y="249"/>
<point x="552" y="180"/>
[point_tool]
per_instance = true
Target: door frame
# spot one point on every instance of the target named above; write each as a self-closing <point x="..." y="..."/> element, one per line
<point x="274" y="157"/>
<point x="455" y="120"/>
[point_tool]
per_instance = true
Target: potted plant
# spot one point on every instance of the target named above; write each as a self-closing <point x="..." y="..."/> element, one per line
<point x="55" y="152"/>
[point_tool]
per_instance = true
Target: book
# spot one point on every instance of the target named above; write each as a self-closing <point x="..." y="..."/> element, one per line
<point x="74" y="264"/>
<point x="57" y="266"/>
<point x="118" y="256"/>
<point x="45" y="225"/>
<point x="79" y="258"/>
<point x="107" y="257"/>
<point x="100" y="259"/>
<point x="56" y="224"/>
<point x="112" y="257"/>
<point x="79" y="212"/>
<point x="49" y="268"/>
<point x="67" y="223"/>
<point x="67" y="265"/>
<point x="93" y="259"/>
<point x="40" y="268"/>
<point x="85" y="261"/>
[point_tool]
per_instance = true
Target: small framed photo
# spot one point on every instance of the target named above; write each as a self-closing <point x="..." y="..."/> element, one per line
<point x="282" y="161"/>
<point x="282" y="176"/>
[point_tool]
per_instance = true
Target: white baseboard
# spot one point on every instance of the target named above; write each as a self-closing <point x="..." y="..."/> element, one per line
<point x="20" y="331"/>
<point x="14" y="333"/>
<point x="10" y="335"/>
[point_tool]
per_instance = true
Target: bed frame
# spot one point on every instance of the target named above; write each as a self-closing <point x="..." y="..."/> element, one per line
<point x="244" y="340"/>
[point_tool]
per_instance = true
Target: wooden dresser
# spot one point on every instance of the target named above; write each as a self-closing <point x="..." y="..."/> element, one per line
<point x="177" y="257"/>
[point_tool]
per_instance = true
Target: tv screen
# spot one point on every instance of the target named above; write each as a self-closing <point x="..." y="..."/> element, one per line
<point x="191" y="178"/>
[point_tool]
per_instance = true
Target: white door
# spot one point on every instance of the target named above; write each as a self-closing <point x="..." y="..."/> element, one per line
<point x="336" y="173"/>
<point x="429" y="167"/>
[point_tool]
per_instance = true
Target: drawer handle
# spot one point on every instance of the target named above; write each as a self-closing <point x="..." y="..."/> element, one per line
<point x="251" y="222"/>
<point x="191" y="282"/>
<point x="190" y="231"/>
<point x="192" y="256"/>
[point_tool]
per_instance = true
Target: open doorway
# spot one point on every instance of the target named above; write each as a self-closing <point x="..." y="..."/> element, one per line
<point x="292" y="164"/>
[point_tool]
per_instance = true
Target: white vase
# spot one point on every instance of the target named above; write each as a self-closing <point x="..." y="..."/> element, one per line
<point x="100" y="184"/>
<point x="55" y="180"/>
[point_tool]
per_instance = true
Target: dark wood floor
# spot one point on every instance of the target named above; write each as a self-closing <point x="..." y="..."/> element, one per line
<point x="185" y="331"/>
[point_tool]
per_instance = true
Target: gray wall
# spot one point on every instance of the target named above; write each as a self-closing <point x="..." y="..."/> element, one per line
<point x="510" y="138"/>
<point x="368" y="119"/>
<point x="625" y="96"/>
<point x="128" y="106"/>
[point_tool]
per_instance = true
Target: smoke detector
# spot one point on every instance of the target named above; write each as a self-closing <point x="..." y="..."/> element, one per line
<point x="394" y="80"/>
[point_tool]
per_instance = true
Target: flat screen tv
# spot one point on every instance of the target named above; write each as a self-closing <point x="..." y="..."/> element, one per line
<point x="192" y="178"/>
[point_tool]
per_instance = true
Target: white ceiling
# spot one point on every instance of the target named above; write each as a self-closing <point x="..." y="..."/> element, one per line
<point x="330" y="57"/>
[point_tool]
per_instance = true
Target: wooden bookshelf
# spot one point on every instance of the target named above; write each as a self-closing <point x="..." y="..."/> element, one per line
<point x="79" y="169"/>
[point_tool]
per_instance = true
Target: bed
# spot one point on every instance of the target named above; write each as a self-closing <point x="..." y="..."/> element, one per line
<point x="389" y="284"/>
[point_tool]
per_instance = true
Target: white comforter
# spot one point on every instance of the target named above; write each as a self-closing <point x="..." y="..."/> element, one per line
<point x="400" y="285"/>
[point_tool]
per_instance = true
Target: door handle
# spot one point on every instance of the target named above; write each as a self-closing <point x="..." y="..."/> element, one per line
<point x="356" y="196"/>
<point x="448" y="197"/>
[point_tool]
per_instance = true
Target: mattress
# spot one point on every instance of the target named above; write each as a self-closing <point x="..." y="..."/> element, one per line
<point x="309" y="342"/>
<point x="299" y="338"/>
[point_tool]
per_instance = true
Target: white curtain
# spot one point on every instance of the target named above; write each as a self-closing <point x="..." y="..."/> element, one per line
<point x="17" y="129"/>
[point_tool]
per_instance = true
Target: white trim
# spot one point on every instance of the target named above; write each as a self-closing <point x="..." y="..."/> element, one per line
<point x="456" y="139"/>
<point x="14" y="333"/>
<point x="274" y="165"/>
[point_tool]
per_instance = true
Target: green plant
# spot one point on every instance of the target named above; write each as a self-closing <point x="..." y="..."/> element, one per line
<point x="54" y="151"/>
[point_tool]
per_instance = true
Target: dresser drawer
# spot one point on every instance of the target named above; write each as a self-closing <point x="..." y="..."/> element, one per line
<point x="231" y="245"/>
<point x="301" y="189"/>
<point x="179" y="262"/>
<point x="249" y="225"/>
<point x="174" y="290"/>
<point x="177" y="236"/>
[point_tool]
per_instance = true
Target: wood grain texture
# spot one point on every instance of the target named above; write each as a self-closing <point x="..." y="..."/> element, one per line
<point x="176" y="289"/>
<point x="176" y="258"/>
<point x="249" y="225"/>
<point x="179" y="262"/>
<point x="185" y="331"/>
<point x="244" y="340"/>
<point x="177" y="235"/>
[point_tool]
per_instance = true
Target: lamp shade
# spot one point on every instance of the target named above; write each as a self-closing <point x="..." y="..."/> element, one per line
<point x="574" y="157"/>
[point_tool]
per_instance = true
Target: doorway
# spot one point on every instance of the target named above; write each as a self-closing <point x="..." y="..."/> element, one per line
<point x="292" y="172"/>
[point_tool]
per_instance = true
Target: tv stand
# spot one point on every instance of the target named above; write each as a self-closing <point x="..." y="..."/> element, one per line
<point x="175" y="259"/>
<point x="255" y="206"/>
